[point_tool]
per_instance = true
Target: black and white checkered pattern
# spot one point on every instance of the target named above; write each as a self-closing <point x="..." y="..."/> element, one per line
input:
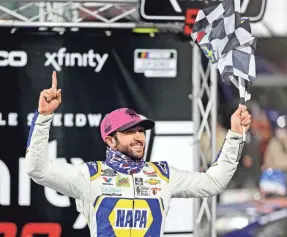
<point x="226" y="39"/>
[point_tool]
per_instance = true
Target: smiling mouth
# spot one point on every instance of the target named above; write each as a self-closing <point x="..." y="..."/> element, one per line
<point x="138" y="146"/>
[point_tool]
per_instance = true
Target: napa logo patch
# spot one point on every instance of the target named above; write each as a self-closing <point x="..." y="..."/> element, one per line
<point x="125" y="220"/>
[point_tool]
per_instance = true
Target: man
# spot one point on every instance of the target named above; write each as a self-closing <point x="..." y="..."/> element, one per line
<point x="124" y="195"/>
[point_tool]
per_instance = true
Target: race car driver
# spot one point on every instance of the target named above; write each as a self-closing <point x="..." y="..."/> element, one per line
<point x="124" y="195"/>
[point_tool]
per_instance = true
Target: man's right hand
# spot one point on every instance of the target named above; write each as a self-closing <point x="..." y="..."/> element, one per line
<point x="50" y="99"/>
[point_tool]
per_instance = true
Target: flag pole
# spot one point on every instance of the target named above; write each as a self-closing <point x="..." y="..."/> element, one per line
<point x="242" y="93"/>
<point x="241" y="81"/>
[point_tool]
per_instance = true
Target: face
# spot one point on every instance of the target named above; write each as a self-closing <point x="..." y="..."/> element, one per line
<point x="131" y="142"/>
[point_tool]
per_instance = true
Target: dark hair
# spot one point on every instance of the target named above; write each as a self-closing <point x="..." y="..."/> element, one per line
<point x="113" y="135"/>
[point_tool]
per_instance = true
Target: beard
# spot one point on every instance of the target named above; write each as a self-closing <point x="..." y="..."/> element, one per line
<point x="132" y="153"/>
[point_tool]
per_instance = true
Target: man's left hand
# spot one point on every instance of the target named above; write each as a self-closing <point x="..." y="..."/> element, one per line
<point x="241" y="117"/>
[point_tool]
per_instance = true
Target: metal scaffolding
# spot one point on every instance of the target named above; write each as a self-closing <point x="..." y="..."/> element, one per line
<point x="76" y="14"/>
<point x="204" y="84"/>
<point x="124" y="14"/>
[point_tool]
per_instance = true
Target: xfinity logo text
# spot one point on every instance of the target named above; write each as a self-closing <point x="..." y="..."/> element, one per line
<point x="67" y="59"/>
<point x="13" y="59"/>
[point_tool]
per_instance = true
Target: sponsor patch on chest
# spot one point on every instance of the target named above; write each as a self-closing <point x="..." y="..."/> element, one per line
<point x="111" y="191"/>
<point x="142" y="190"/>
<point x="122" y="182"/>
<point x="108" y="181"/>
<point x="109" y="172"/>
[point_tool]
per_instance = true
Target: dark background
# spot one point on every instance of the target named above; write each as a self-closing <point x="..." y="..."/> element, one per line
<point x="84" y="91"/>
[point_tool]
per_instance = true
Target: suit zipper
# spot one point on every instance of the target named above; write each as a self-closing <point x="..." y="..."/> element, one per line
<point x="133" y="203"/>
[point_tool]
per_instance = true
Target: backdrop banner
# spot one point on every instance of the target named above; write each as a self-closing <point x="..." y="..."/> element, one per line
<point x="97" y="73"/>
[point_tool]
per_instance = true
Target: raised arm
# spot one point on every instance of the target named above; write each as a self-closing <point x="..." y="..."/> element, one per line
<point x="70" y="180"/>
<point x="216" y="178"/>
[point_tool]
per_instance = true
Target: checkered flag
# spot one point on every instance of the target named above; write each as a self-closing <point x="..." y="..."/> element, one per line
<point x="225" y="39"/>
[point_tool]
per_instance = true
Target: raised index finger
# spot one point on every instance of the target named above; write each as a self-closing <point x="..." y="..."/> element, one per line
<point x="54" y="80"/>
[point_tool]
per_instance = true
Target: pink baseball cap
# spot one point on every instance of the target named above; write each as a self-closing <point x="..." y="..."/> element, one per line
<point x="122" y="119"/>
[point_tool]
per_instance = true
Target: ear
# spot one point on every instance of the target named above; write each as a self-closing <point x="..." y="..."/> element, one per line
<point x="111" y="141"/>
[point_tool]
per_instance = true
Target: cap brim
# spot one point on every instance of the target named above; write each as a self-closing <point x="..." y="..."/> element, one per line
<point x="147" y="124"/>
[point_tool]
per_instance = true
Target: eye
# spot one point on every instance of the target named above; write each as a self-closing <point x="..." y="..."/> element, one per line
<point x="141" y="130"/>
